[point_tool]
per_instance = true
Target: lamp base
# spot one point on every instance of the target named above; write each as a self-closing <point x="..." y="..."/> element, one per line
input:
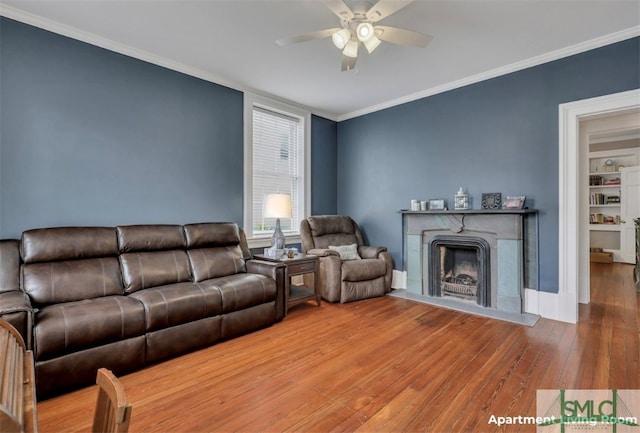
<point x="278" y="240"/>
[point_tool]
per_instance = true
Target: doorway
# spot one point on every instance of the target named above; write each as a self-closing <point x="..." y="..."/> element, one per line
<point x="573" y="231"/>
<point x="610" y="156"/>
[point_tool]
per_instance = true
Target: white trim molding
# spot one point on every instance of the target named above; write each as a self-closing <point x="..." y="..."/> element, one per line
<point x="564" y="305"/>
<point x="399" y="279"/>
<point x="503" y="70"/>
<point x="111" y="45"/>
<point x="136" y="53"/>
<point x="251" y="100"/>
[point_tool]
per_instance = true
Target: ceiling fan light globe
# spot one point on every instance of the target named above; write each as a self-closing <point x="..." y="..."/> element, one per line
<point x="371" y="44"/>
<point x="364" y="31"/>
<point x="351" y="49"/>
<point x="341" y="38"/>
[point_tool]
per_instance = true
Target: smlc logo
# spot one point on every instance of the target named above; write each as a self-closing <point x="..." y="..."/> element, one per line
<point x="578" y="410"/>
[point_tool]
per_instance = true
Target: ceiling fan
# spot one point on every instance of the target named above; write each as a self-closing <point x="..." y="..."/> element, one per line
<point x="358" y="27"/>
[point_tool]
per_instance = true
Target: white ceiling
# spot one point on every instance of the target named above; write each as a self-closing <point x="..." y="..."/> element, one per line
<point x="232" y="42"/>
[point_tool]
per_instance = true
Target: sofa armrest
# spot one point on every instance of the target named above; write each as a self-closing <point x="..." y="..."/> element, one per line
<point x="276" y="272"/>
<point x="330" y="276"/>
<point x="370" y="252"/>
<point x="322" y="252"/>
<point x="16" y="309"/>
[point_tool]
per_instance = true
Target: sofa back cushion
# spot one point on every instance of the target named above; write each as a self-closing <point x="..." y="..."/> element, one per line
<point x="68" y="243"/>
<point x="214" y="250"/>
<point x="143" y="270"/>
<point x="152" y="237"/>
<point x="333" y="230"/>
<point x="70" y="264"/>
<point x="152" y="255"/>
<point x="71" y="280"/>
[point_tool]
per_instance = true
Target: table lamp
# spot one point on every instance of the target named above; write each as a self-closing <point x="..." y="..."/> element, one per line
<point x="277" y="206"/>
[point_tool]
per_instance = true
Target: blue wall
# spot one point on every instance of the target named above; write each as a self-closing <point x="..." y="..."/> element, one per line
<point x="500" y="135"/>
<point x="92" y="137"/>
<point x="324" y="187"/>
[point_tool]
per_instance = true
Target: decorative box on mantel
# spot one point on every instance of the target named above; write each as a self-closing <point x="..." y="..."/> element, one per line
<point x="484" y="256"/>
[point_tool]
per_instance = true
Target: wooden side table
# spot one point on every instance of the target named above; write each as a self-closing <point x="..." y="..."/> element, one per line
<point x="301" y="264"/>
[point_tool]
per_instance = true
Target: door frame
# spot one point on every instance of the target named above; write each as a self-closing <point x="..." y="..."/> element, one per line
<point x="628" y="225"/>
<point x="573" y="239"/>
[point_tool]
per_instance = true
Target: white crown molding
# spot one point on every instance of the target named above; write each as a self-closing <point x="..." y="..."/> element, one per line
<point x="504" y="70"/>
<point x="108" y="44"/>
<point x="117" y="47"/>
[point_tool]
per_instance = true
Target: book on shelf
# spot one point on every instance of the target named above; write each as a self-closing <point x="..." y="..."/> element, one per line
<point x="598" y="198"/>
<point x="598" y="218"/>
<point x="595" y="180"/>
<point x="601" y="181"/>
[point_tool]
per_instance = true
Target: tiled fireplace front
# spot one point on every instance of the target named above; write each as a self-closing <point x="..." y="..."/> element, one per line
<point x="486" y="257"/>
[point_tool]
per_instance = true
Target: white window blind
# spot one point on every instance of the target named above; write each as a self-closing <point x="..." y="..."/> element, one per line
<point x="277" y="167"/>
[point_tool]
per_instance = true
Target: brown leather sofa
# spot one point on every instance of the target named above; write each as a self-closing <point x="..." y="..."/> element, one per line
<point x="125" y="297"/>
<point x="346" y="280"/>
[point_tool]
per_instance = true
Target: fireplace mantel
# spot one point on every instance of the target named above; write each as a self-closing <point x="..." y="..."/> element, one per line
<point x="512" y="234"/>
<point x="471" y="211"/>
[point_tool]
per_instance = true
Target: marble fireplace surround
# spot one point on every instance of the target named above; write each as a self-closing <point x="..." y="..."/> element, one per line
<point x="513" y="257"/>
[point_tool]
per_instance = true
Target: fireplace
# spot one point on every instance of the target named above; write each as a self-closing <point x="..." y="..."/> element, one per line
<point x="495" y="251"/>
<point x="459" y="266"/>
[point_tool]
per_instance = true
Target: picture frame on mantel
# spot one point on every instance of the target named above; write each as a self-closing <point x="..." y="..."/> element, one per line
<point x="491" y="200"/>
<point x="514" y="202"/>
<point x="437" y="204"/>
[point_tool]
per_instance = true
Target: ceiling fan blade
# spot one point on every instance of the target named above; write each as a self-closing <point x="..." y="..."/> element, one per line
<point x="384" y="8"/>
<point x="348" y="63"/>
<point x="339" y="8"/>
<point x="320" y="34"/>
<point x="399" y="36"/>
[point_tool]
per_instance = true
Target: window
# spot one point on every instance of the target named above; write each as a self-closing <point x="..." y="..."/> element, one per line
<point x="276" y="161"/>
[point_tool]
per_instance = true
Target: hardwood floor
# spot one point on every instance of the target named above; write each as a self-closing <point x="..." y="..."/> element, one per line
<point x="381" y="365"/>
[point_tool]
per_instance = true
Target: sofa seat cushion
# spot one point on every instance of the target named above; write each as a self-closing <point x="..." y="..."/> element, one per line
<point x="175" y="304"/>
<point x="73" y="326"/>
<point x="242" y="291"/>
<point x="365" y="269"/>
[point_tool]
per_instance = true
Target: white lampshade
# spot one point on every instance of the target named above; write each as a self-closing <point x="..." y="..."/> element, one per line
<point x="351" y="49"/>
<point x="340" y="38"/>
<point x="371" y="44"/>
<point x="277" y="206"/>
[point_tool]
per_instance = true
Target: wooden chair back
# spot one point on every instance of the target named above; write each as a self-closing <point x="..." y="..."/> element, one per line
<point x="113" y="413"/>
<point x="17" y="379"/>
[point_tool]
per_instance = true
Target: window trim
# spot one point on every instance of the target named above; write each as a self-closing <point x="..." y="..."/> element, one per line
<point x="250" y="101"/>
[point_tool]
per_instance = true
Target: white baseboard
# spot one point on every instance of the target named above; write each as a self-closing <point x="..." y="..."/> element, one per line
<point x="531" y="304"/>
<point x="399" y="280"/>
<point x="554" y="306"/>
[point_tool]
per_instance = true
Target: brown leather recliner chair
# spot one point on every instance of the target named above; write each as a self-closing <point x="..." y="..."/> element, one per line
<point x="345" y="280"/>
